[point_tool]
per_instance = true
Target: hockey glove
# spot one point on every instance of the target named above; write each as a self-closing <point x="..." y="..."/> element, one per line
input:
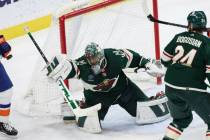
<point x="59" y="67"/>
<point x="154" y="68"/>
<point x="5" y="48"/>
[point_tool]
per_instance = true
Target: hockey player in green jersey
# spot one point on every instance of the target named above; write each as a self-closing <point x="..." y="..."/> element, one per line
<point x="104" y="81"/>
<point x="187" y="58"/>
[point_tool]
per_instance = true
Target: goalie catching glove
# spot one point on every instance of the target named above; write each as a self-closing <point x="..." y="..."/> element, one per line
<point x="59" y="67"/>
<point x="154" y="68"/>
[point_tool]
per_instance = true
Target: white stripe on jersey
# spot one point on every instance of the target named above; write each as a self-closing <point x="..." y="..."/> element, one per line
<point x="207" y="68"/>
<point x="185" y="88"/>
<point x="129" y="56"/>
<point x="76" y="69"/>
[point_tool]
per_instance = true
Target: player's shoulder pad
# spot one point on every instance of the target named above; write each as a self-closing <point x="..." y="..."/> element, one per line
<point x="109" y="51"/>
<point x="81" y="61"/>
<point x="182" y="34"/>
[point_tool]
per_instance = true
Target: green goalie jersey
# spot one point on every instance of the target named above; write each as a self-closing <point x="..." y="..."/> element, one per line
<point x="187" y="58"/>
<point x="112" y="79"/>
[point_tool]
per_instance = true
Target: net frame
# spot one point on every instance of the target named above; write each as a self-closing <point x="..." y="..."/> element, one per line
<point x="72" y="14"/>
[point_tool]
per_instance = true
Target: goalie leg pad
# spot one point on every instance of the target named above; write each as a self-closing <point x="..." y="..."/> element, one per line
<point x="90" y="123"/>
<point x="152" y="111"/>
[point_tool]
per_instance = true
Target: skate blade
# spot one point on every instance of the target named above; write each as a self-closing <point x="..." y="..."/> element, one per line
<point x="7" y="137"/>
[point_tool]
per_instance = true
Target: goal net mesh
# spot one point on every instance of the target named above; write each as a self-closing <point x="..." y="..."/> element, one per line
<point x="120" y="25"/>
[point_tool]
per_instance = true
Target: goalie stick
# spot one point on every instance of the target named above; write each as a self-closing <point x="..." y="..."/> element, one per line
<point x="153" y="19"/>
<point x="66" y="93"/>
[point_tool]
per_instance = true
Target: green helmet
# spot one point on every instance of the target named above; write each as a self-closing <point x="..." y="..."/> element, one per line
<point x="95" y="57"/>
<point x="93" y="53"/>
<point x="197" y="19"/>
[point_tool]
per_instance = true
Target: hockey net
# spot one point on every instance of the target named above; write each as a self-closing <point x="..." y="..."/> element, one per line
<point x="110" y="23"/>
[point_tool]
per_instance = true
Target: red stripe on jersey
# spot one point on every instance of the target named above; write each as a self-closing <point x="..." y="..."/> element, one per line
<point x="168" y="55"/>
<point x="174" y="130"/>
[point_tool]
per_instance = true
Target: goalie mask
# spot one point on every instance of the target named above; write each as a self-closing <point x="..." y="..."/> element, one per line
<point x="95" y="57"/>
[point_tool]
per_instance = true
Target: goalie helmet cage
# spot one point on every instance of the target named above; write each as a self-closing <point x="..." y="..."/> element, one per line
<point x="111" y="24"/>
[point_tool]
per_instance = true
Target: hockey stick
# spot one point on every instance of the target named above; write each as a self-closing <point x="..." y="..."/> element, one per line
<point x="66" y="93"/>
<point x="153" y="19"/>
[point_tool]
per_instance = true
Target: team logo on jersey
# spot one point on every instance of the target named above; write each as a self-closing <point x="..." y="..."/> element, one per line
<point x="106" y="85"/>
<point x="120" y="53"/>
